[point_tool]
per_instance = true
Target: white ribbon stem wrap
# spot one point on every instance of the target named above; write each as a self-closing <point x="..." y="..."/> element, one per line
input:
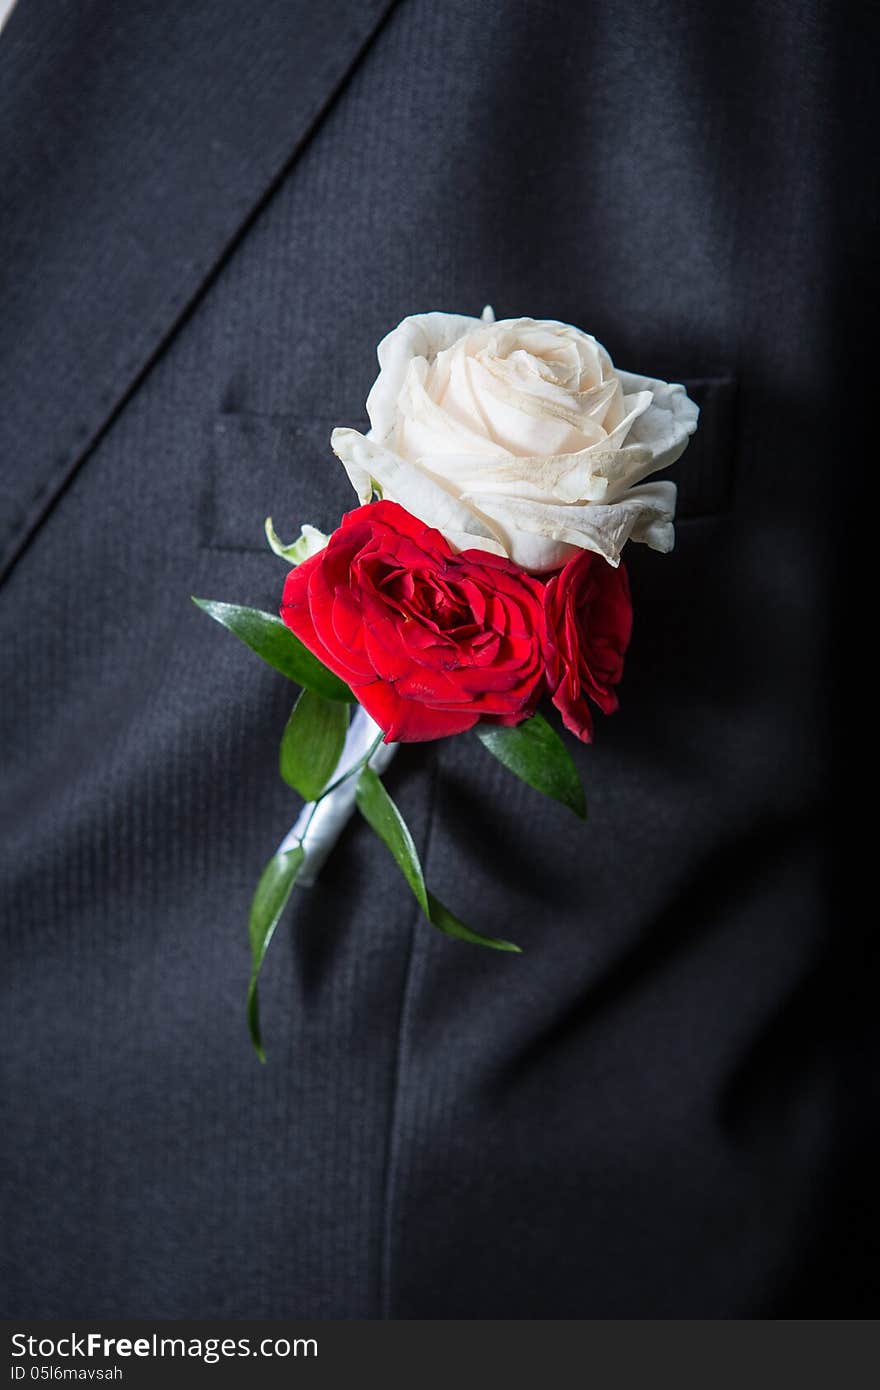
<point x="321" y="822"/>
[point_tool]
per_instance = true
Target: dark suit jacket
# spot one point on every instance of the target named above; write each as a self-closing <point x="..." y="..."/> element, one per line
<point x="211" y="212"/>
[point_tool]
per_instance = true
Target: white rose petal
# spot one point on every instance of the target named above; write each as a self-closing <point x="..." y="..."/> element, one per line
<point x="422" y="335"/>
<point x="643" y="514"/>
<point x="519" y="437"/>
<point x="667" y="425"/>
<point x="415" y="490"/>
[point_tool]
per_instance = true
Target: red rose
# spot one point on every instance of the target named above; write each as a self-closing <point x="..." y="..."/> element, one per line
<point x="589" y="616"/>
<point x="429" y="641"/>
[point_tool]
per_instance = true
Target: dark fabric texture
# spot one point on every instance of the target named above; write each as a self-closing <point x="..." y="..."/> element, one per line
<point x="210" y="213"/>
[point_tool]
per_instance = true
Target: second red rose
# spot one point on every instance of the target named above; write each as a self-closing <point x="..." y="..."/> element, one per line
<point x="589" y="616"/>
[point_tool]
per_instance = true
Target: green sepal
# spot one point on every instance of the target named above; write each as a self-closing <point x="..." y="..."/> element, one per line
<point x="534" y="752"/>
<point x="269" y="901"/>
<point x="312" y="743"/>
<point x="276" y="644"/>
<point x="308" y="543"/>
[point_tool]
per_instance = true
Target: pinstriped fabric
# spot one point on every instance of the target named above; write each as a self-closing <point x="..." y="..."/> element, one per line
<point x="175" y="1172"/>
<point x="639" y="1116"/>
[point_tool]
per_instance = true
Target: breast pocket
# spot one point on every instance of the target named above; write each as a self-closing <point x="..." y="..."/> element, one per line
<point x="271" y="465"/>
<point x="705" y="471"/>
<point x="282" y="466"/>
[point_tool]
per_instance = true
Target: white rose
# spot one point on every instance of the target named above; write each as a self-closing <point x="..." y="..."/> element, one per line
<point x="519" y="437"/>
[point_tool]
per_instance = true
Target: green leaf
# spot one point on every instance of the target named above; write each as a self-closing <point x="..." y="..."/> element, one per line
<point x="536" y="753"/>
<point x="309" y="541"/>
<point x="377" y="808"/>
<point x="269" y="901"/>
<point x="312" y="743"/>
<point x="447" y="922"/>
<point x="275" y="643"/>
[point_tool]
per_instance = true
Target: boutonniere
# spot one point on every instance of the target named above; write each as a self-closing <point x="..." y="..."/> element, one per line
<point x="480" y="572"/>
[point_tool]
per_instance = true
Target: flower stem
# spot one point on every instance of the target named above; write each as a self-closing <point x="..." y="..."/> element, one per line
<point x="356" y="769"/>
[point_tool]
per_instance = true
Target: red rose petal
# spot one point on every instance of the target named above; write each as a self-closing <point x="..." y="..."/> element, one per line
<point x="429" y="641"/>
<point x="589" y="624"/>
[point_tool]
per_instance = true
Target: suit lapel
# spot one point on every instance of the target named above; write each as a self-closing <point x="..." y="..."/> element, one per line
<point x="135" y="145"/>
